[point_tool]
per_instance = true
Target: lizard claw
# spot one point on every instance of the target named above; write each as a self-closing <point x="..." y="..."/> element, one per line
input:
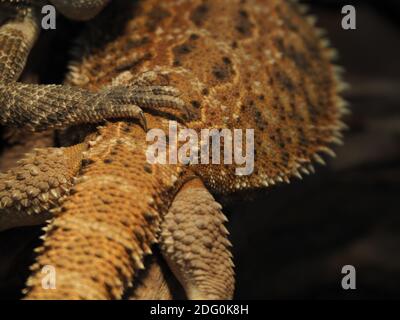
<point x="135" y="112"/>
<point x="142" y="120"/>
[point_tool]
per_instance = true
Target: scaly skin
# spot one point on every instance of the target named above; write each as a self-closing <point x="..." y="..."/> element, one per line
<point x="39" y="107"/>
<point x="256" y="64"/>
<point x="266" y="68"/>
<point x="110" y="227"/>
<point x="193" y="238"/>
<point x="152" y="283"/>
<point x="39" y="181"/>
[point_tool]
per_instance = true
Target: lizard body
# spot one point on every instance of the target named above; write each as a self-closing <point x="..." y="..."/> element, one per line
<point x="238" y="64"/>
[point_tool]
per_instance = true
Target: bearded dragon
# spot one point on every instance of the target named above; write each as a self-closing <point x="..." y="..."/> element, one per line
<point x="238" y="64"/>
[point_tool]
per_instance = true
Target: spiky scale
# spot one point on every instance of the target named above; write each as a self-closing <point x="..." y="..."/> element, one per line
<point x="263" y="67"/>
<point x="198" y="223"/>
<point x="19" y="196"/>
<point x="99" y="220"/>
<point x="290" y="102"/>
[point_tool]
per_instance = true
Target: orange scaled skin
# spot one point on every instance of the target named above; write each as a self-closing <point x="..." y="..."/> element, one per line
<point x="253" y="64"/>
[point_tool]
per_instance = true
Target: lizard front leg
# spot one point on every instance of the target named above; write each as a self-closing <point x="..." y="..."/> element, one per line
<point x="39" y="107"/>
<point x="194" y="242"/>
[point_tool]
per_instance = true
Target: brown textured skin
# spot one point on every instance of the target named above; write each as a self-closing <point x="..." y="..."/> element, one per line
<point x="17" y="143"/>
<point x="152" y="283"/>
<point x="239" y="64"/>
<point x="195" y="245"/>
<point x="80" y="9"/>
<point x="265" y="68"/>
<point x="38" y="183"/>
<point x="106" y="226"/>
<point x="39" y="107"/>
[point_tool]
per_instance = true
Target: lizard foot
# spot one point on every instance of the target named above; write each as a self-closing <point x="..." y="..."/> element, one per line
<point x="152" y="98"/>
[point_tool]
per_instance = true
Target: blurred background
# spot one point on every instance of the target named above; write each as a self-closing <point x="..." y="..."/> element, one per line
<point x="292" y="241"/>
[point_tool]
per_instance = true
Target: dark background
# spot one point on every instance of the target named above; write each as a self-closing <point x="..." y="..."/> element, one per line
<point x="293" y="240"/>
